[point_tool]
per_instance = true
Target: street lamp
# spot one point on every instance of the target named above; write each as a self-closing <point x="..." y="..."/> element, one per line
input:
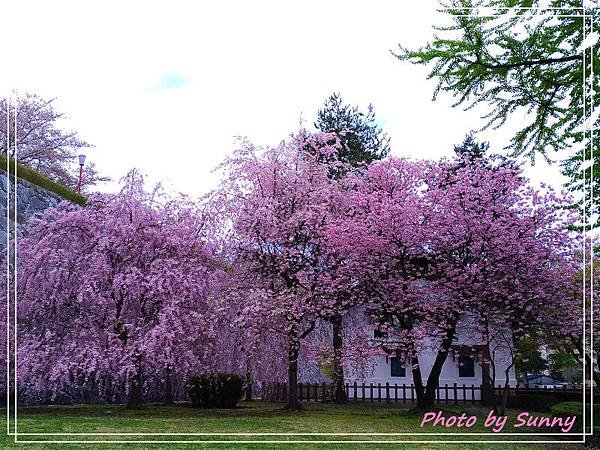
<point x="81" y="163"/>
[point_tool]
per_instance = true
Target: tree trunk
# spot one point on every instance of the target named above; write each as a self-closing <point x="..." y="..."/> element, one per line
<point x="487" y="392"/>
<point x="433" y="381"/>
<point x="581" y="354"/>
<point x="407" y="325"/>
<point x="168" y="386"/>
<point x="293" y="403"/>
<point x="248" y="388"/>
<point x="505" y="392"/>
<point x="338" y="368"/>
<point x="135" y="399"/>
<point x="418" y="381"/>
<point x="526" y="379"/>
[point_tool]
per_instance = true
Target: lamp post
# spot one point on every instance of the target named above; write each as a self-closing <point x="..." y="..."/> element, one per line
<point x="81" y="163"/>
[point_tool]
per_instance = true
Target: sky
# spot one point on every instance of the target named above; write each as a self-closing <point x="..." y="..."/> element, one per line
<point x="166" y="87"/>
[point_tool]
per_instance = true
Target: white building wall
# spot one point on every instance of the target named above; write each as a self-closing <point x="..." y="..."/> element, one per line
<point x="382" y="371"/>
<point x="449" y="376"/>
<point x="380" y="375"/>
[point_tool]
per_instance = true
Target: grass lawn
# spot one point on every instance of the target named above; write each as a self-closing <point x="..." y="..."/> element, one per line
<point x="257" y="417"/>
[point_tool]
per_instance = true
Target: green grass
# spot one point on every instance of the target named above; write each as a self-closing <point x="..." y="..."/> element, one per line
<point x="37" y="179"/>
<point x="251" y="417"/>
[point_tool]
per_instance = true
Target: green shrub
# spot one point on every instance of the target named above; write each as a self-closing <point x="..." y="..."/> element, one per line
<point x="219" y="390"/>
<point x="531" y="402"/>
<point x="37" y="179"/>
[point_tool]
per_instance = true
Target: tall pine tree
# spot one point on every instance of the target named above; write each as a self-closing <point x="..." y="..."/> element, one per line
<point x="363" y="141"/>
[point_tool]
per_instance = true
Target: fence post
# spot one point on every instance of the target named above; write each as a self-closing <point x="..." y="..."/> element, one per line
<point x="403" y="393"/>
<point x="316" y="386"/>
<point x="387" y="392"/>
<point x="379" y="392"/>
<point x="455" y="395"/>
<point x="355" y="391"/>
<point x="300" y="389"/>
<point x="363" y="391"/>
<point x="371" y="389"/>
<point x="395" y="392"/>
<point x="323" y="393"/>
<point x="437" y="395"/>
<point x="412" y="394"/>
<point x="473" y="393"/>
<point x="464" y="394"/>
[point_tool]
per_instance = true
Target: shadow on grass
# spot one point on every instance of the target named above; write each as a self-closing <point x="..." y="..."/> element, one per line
<point x="255" y="409"/>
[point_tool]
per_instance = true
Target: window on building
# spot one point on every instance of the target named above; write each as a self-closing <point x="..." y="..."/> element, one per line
<point x="466" y="367"/>
<point x="380" y="334"/>
<point x="398" y="369"/>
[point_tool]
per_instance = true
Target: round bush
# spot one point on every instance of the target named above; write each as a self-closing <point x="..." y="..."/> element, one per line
<point x="217" y="390"/>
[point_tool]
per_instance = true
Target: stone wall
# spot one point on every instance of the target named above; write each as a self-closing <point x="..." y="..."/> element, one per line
<point x="31" y="200"/>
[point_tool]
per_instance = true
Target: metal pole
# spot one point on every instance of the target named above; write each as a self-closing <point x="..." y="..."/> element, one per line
<point x="80" y="178"/>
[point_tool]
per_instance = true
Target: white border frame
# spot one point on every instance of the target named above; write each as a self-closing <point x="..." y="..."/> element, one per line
<point x="585" y="242"/>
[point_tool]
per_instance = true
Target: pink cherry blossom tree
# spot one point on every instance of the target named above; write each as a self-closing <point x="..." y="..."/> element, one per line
<point x="387" y="243"/>
<point x="115" y="294"/>
<point x="504" y="251"/>
<point x="431" y="242"/>
<point x="275" y="205"/>
<point x="380" y="234"/>
<point x="42" y="143"/>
